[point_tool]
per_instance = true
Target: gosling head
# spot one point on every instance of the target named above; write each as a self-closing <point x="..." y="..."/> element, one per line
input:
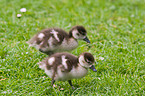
<point x="86" y="60"/>
<point x="80" y="33"/>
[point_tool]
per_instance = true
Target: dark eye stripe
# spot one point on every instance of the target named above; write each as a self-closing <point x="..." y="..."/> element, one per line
<point x="78" y="34"/>
<point x="83" y="33"/>
<point x="89" y="57"/>
<point x="88" y="61"/>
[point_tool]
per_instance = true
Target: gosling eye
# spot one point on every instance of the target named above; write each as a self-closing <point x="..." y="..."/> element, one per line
<point x="78" y="34"/>
<point x="83" y="33"/>
<point x="89" y="62"/>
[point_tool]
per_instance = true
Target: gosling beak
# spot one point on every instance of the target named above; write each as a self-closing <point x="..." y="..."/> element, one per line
<point x="86" y="39"/>
<point x="93" y="68"/>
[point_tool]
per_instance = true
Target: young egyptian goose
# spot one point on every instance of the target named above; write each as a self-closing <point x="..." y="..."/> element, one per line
<point x="64" y="66"/>
<point x="54" y="40"/>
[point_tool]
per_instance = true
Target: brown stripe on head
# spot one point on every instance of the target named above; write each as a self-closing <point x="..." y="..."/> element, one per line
<point x="80" y="29"/>
<point x="89" y="58"/>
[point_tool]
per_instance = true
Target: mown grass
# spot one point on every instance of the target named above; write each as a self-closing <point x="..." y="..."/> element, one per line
<point x="116" y="29"/>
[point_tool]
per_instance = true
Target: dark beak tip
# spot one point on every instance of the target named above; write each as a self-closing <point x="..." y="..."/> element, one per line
<point x="94" y="70"/>
<point x="87" y="40"/>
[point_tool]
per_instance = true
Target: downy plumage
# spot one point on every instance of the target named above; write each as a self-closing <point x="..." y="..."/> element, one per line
<point x="65" y="66"/>
<point x="54" y="40"/>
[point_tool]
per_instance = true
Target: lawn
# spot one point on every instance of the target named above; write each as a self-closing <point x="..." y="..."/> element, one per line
<point x="116" y="29"/>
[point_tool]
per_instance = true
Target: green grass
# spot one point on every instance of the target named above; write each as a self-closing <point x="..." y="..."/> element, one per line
<point x="116" y="29"/>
